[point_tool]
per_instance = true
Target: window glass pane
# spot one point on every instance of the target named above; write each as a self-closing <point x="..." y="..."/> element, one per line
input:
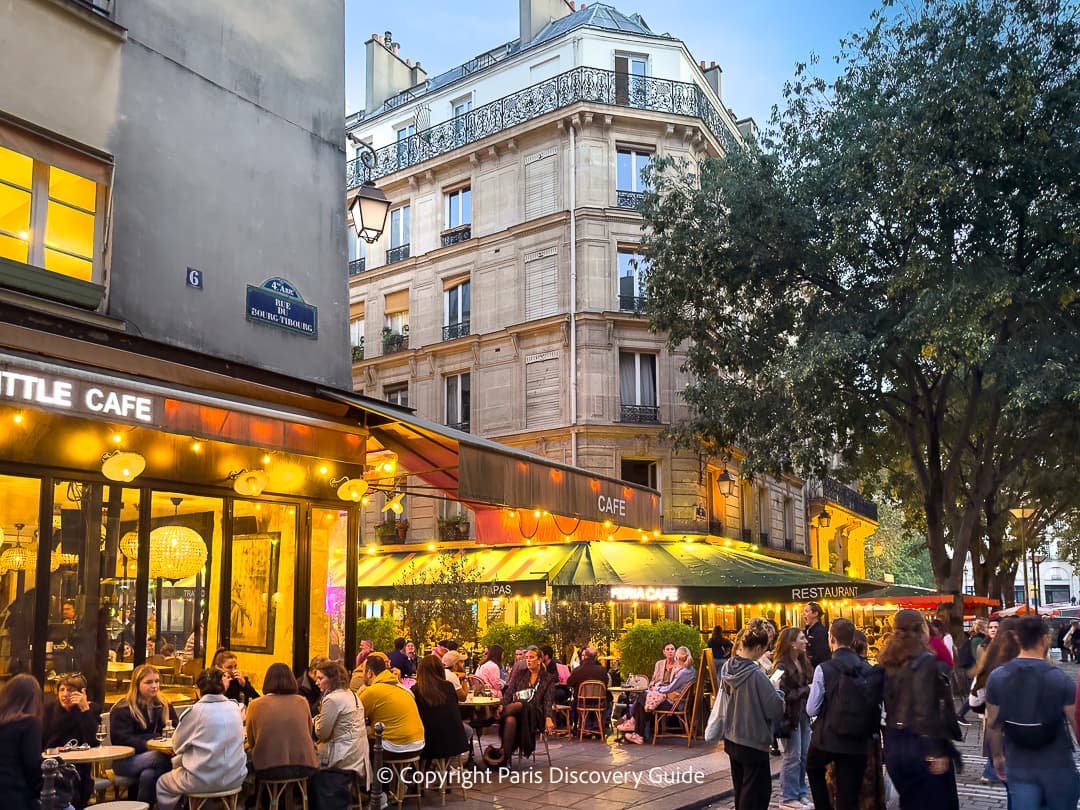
<point x="625" y="171"/>
<point x="627" y="378"/>
<point x="405" y="226"/>
<point x="466" y="206"/>
<point x="70" y="230"/>
<point x="14" y="211"/>
<point x="71" y="188"/>
<point x="453" y="218"/>
<point x="452" y="400"/>
<point x="16" y="168"/>
<point x="17" y="592"/>
<point x="465" y="398"/>
<point x="329" y="535"/>
<point x="648" y="379"/>
<point x="14" y="249"/>
<point x="452" y="303"/>
<point x="68" y="265"/>
<point x="263" y="559"/>
<point x="466" y="303"/>
<point x="641" y="161"/>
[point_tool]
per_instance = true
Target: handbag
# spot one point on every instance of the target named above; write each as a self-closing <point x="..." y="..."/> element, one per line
<point x="653" y="699"/>
<point x="714" y="729"/>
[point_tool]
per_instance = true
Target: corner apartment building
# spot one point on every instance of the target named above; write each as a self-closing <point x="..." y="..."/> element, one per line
<point x="503" y="297"/>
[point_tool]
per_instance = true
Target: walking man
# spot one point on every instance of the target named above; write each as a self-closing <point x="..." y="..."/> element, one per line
<point x="1028" y="702"/>
<point x="845" y="702"/>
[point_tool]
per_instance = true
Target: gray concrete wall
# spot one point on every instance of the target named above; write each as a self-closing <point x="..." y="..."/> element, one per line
<point x="229" y="158"/>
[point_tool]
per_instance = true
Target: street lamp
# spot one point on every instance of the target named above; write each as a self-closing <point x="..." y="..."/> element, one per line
<point x="1022" y="514"/>
<point x="1037" y="559"/>
<point x="369" y="206"/>
<point x="725" y="482"/>
<point x="824" y="518"/>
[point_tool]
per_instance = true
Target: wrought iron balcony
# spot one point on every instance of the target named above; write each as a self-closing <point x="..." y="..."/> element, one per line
<point x="631" y="303"/>
<point x="827" y="489"/>
<point x="453" y="331"/>
<point x="462" y="426"/>
<point x="395" y="343"/>
<point x="581" y="84"/>
<point x="462" y="233"/>
<point x="640" y="414"/>
<point x="397" y="254"/>
<point x="357" y="266"/>
<point x="629" y="199"/>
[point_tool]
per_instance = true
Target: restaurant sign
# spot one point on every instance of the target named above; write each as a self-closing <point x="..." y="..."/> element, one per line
<point x="809" y="593"/>
<point x="278" y="303"/>
<point x="77" y="396"/>
<point x="620" y="593"/>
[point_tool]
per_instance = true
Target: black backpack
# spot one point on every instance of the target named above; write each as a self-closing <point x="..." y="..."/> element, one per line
<point x="965" y="656"/>
<point x="1031" y="722"/>
<point x="855" y="710"/>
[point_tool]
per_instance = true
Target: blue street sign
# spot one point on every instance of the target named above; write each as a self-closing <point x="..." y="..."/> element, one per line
<point x="278" y="303"/>
<point x="194" y="278"/>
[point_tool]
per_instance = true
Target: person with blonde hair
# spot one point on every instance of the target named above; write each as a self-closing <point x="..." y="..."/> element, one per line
<point x="139" y="716"/>
<point x="658" y="696"/>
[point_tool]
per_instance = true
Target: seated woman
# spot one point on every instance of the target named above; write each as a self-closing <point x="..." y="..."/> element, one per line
<point x="20" y="743"/>
<point x="237" y="686"/>
<point x="490" y="672"/>
<point x="137" y="717"/>
<point x="657" y="697"/>
<point x="444" y="734"/>
<point x="526" y="709"/>
<point x="341" y="737"/>
<point x="72" y="717"/>
<point x="279" y="729"/>
<point x="208" y="748"/>
<point x="664" y="670"/>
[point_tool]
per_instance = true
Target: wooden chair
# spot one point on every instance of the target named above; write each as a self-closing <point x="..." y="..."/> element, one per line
<point x="404" y="787"/>
<point x="542" y="734"/>
<point x="681" y="706"/>
<point x="479" y="686"/>
<point x="449" y="773"/>
<point x="202" y="801"/>
<point x="275" y="788"/>
<point x="591" y="700"/>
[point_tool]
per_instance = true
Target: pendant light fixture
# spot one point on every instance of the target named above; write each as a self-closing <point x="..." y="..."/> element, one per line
<point x="122" y="465"/>
<point x="176" y="552"/>
<point x="16" y="558"/>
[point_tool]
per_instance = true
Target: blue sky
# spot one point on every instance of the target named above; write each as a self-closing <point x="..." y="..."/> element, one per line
<point x="757" y="43"/>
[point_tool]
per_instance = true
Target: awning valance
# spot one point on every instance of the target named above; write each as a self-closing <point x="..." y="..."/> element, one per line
<point x="700" y="573"/>
<point x="912" y="596"/>
<point x="500" y="572"/>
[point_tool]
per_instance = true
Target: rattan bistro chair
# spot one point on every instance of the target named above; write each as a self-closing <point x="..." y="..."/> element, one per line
<point x="679" y="711"/>
<point x="591" y="701"/>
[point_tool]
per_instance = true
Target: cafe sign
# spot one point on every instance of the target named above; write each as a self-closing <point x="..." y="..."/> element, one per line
<point x="77" y="396"/>
<point x="621" y="593"/>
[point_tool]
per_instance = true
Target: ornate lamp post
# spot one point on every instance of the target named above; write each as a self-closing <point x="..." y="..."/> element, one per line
<point x="369" y="206"/>
<point x="1022" y="514"/>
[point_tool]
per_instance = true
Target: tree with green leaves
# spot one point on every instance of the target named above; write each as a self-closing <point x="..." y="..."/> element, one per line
<point x="438" y="601"/>
<point x="896" y="550"/>
<point x="578" y="616"/>
<point x="891" y="275"/>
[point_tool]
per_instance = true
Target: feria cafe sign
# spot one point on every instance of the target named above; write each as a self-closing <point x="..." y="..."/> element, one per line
<point x="621" y="593"/>
<point x="76" y="396"/>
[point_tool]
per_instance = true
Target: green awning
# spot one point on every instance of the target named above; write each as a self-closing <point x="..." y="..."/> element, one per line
<point x="700" y="573"/>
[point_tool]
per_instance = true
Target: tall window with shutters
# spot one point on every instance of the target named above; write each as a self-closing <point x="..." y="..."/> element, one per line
<point x="541" y="183"/>
<point x="637" y="388"/>
<point x="541" y="284"/>
<point x="764" y="515"/>
<point x="356" y="330"/>
<point x="396" y="322"/>
<point x="630" y="80"/>
<point x="457" y="310"/>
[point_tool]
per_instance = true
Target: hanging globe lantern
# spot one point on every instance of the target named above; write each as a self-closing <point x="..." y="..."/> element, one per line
<point x="176" y="552"/>
<point x="129" y="545"/>
<point x="16" y="558"/>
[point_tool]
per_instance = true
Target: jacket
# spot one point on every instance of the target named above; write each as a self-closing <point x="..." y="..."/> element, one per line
<point x="241" y="692"/>
<point x="918" y="699"/>
<point x="20" y="763"/>
<point x="795" y="686"/>
<point x="209" y="746"/>
<point x="444" y="732"/>
<point x="279" y="732"/>
<point x="386" y="701"/>
<point x="658" y="672"/>
<point x="679" y="681"/>
<point x="753" y="706"/>
<point x="62" y="725"/>
<point x="124" y="729"/>
<point x="817" y="637"/>
<point x="543" y="698"/>
<point x="844" y="660"/>
<point x="590" y="670"/>
<point x="341" y="733"/>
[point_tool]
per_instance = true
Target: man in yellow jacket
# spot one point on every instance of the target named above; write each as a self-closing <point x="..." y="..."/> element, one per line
<point x="386" y="701"/>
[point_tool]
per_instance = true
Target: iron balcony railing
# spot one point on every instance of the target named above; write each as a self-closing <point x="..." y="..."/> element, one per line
<point x="631" y="303"/>
<point x="397" y="254"/>
<point x="581" y="84"/>
<point x="395" y="343"/>
<point x="629" y="199"/>
<point x="827" y="489"/>
<point x="357" y="266"/>
<point x="452" y="331"/>
<point x="640" y="414"/>
<point x="462" y="233"/>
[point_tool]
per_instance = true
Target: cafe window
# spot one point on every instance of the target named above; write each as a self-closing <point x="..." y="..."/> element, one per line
<point x="329" y="539"/>
<point x="18" y="559"/>
<point x="640" y="471"/>
<point x="50" y="217"/>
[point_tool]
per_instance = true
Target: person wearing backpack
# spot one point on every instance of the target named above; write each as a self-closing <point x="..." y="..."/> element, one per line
<point x="920" y="719"/>
<point x="1027" y="703"/>
<point x="845" y="702"/>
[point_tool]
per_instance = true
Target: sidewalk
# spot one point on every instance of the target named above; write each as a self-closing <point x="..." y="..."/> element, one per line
<point x="604" y="776"/>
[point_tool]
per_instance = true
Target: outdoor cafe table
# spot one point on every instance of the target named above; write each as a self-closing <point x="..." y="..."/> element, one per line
<point x="101" y="753"/>
<point x="158" y="744"/>
<point x="619" y="692"/>
<point x="476" y="711"/>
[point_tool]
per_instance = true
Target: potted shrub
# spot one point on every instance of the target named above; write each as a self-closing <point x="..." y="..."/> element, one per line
<point x="402" y="529"/>
<point x="454" y="527"/>
<point x="386" y="531"/>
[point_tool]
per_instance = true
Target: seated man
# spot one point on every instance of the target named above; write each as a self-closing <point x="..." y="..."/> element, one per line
<point x="454" y="663"/>
<point x="590" y="669"/>
<point x="387" y="702"/>
<point x="208" y="746"/>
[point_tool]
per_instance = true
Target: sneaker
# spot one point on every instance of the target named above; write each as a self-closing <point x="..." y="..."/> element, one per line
<point x="963" y="722"/>
<point x="984" y="781"/>
<point x="776" y="752"/>
<point x="807" y="802"/>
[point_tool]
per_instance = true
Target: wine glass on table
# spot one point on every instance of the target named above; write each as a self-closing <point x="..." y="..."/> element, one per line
<point x="101" y="733"/>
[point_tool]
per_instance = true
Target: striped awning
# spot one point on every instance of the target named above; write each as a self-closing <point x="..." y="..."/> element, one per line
<point x="500" y="571"/>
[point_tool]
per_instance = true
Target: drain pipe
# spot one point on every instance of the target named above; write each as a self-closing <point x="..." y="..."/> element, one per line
<point x="573" y="299"/>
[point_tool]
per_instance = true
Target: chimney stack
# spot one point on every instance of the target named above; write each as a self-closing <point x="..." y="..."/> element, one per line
<point x="387" y="73"/>
<point x="712" y="76"/>
<point x="533" y="15"/>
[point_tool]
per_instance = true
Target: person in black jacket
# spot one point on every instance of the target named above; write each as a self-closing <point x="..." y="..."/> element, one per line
<point x="238" y="687"/>
<point x="436" y="698"/>
<point x="920" y="719"/>
<point x="830" y="740"/>
<point x="136" y="718"/>
<point x="307" y="687"/>
<point x="72" y="717"/>
<point x="817" y="634"/>
<point x="20" y="743"/>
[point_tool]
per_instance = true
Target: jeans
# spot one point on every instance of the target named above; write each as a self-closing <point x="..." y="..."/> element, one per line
<point x="146" y="767"/>
<point x="751" y="778"/>
<point x="905" y="759"/>
<point x="848" y="770"/>
<point x="1043" y="788"/>
<point x="793" y="770"/>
